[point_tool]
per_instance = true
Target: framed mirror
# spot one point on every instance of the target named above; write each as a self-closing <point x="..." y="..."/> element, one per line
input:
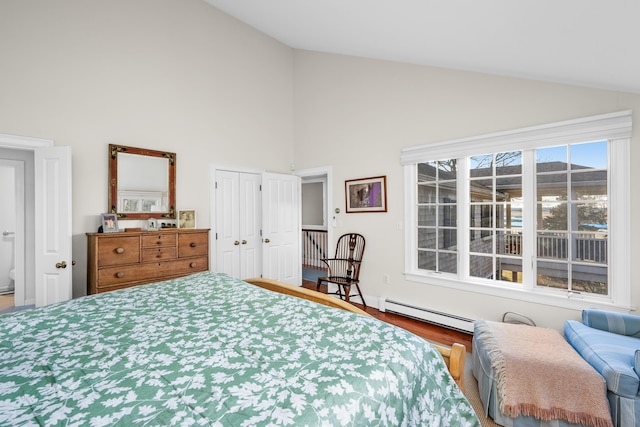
<point x="142" y="183"/>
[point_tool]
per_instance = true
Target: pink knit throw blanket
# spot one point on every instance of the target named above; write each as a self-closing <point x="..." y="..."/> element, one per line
<point x="539" y="374"/>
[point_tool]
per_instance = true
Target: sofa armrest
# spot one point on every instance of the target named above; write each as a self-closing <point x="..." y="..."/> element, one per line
<point x="610" y="321"/>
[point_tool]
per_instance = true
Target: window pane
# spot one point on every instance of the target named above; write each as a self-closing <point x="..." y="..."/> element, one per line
<point x="592" y="155"/>
<point x="553" y="216"/>
<point x="427" y="193"/>
<point x="481" y="166"/>
<point x="509" y="163"/>
<point x="553" y="275"/>
<point x="427" y="215"/>
<point x="551" y="187"/>
<point x="481" y="241"/>
<point x="427" y="260"/>
<point x="509" y="269"/>
<point x="426" y="238"/>
<point x="426" y="171"/>
<point x="591" y="216"/>
<point x="481" y="190"/>
<point x="589" y="279"/>
<point x="448" y="238"/>
<point x="509" y="215"/>
<point x="553" y="245"/>
<point x="447" y="169"/>
<point x="448" y="215"/>
<point x="448" y="192"/>
<point x="448" y="262"/>
<point x="589" y="185"/>
<point x="551" y="159"/>
<point x="508" y="243"/>
<point x="508" y="188"/>
<point x="481" y="216"/>
<point x="481" y="266"/>
<point x="590" y="247"/>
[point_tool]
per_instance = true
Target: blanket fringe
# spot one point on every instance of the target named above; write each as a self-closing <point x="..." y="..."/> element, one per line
<point x="556" y="414"/>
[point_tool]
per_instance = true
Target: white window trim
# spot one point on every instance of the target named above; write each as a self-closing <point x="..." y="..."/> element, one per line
<point x="615" y="127"/>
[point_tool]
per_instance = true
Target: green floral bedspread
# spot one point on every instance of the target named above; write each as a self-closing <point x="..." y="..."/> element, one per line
<point x="211" y="350"/>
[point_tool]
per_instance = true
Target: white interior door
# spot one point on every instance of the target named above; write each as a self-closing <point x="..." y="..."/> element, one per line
<point x="282" y="258"/>
<point x="238" y="222"/>
<point x="227" y="220"/>
<point x="53" y="225"/>
<point x="250" y="223"/>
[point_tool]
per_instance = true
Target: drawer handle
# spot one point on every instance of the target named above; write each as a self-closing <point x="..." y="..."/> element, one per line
<point x="193" y="265"/>
<point x="158" y="242"/>
<point x="119" y="250"/>
<point x="119" y="274"/>
<point x="193" y="244"/>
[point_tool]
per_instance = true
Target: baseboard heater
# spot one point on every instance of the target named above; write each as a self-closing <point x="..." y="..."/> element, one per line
<point x="439" y="318"/>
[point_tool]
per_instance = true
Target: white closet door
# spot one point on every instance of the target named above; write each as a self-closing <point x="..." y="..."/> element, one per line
<point x="238" y="221"/>
<point x="227" y="220"/>
<point x="250" y="222"/>
<point x="281" y="228"/>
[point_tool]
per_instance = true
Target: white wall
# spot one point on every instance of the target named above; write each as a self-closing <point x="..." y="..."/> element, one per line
<point x="357" y="114"/>
<point x="168" y="75"/>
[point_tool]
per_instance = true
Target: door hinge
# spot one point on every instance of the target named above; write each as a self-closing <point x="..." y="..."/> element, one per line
<point x="260" y="187"/>
<point x="216" y="236"/>
<point x="216" y="187"/>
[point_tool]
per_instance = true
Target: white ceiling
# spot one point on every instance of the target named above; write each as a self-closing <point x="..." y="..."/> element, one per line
<point x="591" y="43"/>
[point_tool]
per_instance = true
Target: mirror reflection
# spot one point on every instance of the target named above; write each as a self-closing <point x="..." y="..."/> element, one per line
<point x="142" y="183"/>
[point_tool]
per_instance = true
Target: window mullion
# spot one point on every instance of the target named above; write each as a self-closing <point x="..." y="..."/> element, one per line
<point x="464" y="222"/>
<point x="529" y="226"/>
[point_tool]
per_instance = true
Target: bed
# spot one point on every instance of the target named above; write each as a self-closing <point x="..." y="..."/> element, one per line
<point x="207" y="349"/>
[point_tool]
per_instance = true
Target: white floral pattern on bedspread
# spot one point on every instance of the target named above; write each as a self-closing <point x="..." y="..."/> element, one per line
<point x="211" y="350"/>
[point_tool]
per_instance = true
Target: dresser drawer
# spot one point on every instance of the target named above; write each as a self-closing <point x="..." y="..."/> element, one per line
<point x="118" y="250"/>
<point x="122" y="274"/>
<point x="193" y="244"/>
<point x="159" y="238"/>
<point x="161" y="253"/>
<point x="184" y="266"/>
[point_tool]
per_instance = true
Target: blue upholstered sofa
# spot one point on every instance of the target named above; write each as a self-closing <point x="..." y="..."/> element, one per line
<point x="610" y="342"/>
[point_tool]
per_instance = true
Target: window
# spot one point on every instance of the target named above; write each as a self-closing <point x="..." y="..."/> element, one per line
<point x="546" y="218"/>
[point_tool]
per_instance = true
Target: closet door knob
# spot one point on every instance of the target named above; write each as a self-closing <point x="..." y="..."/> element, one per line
<point x="244" y="242"/>
<point x="236" y="243"/>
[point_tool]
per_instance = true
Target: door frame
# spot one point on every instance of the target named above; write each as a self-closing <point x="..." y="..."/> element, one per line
<point x="23" y="143"/>
<point x="330" y="214"/>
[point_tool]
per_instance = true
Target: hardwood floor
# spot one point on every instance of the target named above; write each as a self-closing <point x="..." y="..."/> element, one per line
<point x="422" y="329"/>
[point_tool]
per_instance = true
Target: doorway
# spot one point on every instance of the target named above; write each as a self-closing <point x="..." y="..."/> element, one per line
<point x="13" y="164"/>
<point x="316" y="221"/>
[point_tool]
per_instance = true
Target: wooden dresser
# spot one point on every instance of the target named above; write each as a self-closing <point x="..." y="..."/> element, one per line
<point x="120" y="260"/>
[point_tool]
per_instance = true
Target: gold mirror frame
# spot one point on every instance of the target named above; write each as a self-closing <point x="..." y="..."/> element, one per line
<point x="113" y="182"/>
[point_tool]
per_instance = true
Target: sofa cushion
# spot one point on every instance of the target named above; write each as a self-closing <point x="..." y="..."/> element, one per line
<point x="619" y="323"/>
<point x="636" y="363"/>
<point x="612" y="355"/>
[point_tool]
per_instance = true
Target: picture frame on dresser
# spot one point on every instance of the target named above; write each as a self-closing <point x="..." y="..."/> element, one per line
<point x="187" y="218"/>
<point x="109" y="223"/>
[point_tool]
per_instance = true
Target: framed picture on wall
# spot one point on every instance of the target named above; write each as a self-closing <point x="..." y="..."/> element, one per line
<point x="187" y="218"/>
<point x="109" y="223"/>
<point x="366" y="194"/>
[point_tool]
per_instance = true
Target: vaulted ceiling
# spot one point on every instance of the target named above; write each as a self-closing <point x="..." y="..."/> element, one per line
<point x="593" y="43"/>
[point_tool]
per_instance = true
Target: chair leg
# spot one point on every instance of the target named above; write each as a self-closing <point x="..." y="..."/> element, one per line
<point x="347" y="292"/>
<point x="318" y="284"/>
<point x="361" y="297"/>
